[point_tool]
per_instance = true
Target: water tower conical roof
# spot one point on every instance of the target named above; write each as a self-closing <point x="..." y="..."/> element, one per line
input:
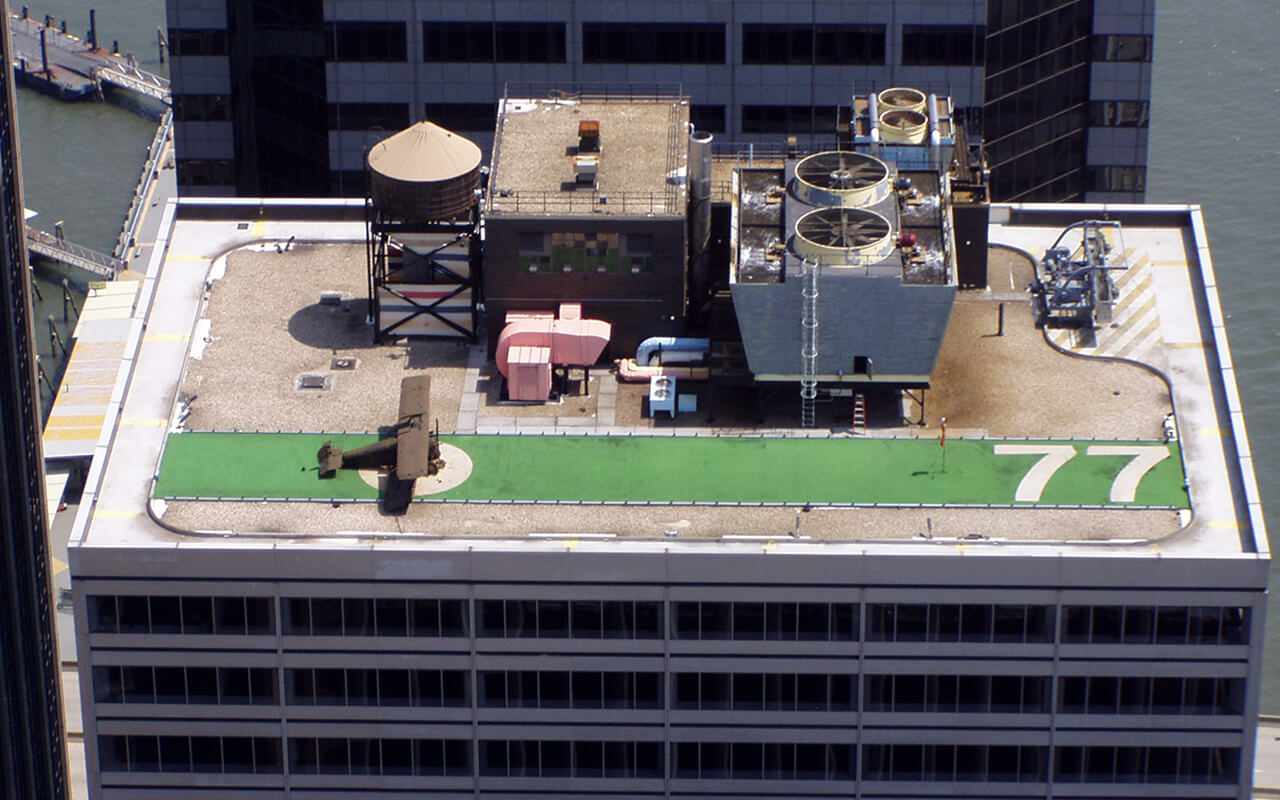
<point x="424" y="172"/>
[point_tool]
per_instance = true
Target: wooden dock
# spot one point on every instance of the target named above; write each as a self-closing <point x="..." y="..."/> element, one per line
<point x="70" y="68"/>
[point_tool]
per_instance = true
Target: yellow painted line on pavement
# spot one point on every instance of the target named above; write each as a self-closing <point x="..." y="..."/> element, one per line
<point x="71" y="434"/>
<point x="116" y="513"/>
<point x="1142" y="340"/>
<point x="76" y="420"/>
<point x="1140" y="311"/>
<point x="144" y="422"/>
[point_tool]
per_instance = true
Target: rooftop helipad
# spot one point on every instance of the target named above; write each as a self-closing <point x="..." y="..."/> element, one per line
<point x="1044" y="444"/>
<point x="722" y="470"/>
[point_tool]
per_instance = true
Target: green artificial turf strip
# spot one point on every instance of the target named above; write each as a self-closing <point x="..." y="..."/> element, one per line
<point x="671" y="469"/>
<point x="256" y="465"/>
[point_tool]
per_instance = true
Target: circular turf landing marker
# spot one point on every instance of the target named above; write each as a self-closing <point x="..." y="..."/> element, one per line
<point x="457" y="468"/>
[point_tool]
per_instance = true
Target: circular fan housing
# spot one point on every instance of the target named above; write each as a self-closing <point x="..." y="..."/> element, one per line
<point x="842" y="236"/>
<point x="841" y="178"/>
<point x="903" y="127"/>
<point x="901" y="98"/>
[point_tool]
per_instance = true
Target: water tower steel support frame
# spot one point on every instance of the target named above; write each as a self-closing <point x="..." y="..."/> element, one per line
<point x="380" y="230"/>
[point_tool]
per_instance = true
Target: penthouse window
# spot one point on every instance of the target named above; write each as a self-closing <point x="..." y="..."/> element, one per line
<point x="185" y="685"/>
<point x="201" y="108"/>
<point x="429" y="757"/>
<point x="198" y="42"/>
<point x="1123" y="178"/>
<point x="601" y="252"/>
<point x="578" y="690"/>
<point x="1150" y="695"/>
<point x="837" y="45"/>
<point x="361" y="616"/>
<point x="181" y="615"/>
<point x="1155" y="625"/>
<point x="955" y="763"/>
<point x="1119" y="114"/>
<point x="707" y="118"/>
<point x="1108" y="764"/>
<point x="206" y="172"/>
<point x="559" y="759"/>
<point x="764" y="761"/>
<point x="432" y="688"/>
<point x="788" y="119"/>
<point x="817" y="622"/>
<point x="943" y="45"/>
<point x="749" y="691"/>
<point x="366" y="41"/>
<point x="366" y="116"/>
<point x="652" y="43"/>
<point x="1112" y="47"/>
<point x="577" y="619"/>
<point x="911" y="622"/>
<point x="208" y="754"/>
<point x="463" y="116"/>
<point x="490" y="42"/>
<point x="958" y="694"/>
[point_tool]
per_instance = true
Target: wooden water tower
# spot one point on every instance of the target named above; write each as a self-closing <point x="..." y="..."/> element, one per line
<point x="423" y="242"/>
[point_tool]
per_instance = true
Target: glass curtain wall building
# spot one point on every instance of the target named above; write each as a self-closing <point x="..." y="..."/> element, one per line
<point x="32" y="749"/>
<point x="283" y="99"/>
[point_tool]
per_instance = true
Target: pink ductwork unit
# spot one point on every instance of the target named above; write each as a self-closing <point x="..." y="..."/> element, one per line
<point x="532" y="342"/>
<point x="528" y="372"/>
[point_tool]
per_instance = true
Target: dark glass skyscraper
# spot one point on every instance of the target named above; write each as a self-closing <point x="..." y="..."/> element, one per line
<point x="33" y="763"/>
<point x="1066" y="110"/>
<point x="284" y="98"/>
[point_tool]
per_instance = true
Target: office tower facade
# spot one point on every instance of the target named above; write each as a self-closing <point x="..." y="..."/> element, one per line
<point x="32" y="749"/>
<point x="580" y="616"/>
<point x="1066" y="98"/>
<point x="283" y="99"/>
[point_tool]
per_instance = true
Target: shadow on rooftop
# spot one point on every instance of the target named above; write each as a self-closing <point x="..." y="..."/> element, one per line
<point x="336" y="327"/>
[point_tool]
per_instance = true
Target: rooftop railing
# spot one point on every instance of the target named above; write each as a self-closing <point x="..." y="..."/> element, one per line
<point x="558" y="203"/>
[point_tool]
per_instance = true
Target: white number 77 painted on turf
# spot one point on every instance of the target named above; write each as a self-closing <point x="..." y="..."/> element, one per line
<point x="1124" y="489"/>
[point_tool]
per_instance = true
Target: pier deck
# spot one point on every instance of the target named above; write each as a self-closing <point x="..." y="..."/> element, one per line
<point x="70" y="68"/>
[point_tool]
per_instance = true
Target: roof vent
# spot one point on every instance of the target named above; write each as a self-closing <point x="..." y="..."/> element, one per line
<point x="901" y="126"/>
<point x="841" y="178"/>
<point x="901" y="99"/>
<point x="842" y="236"/>
<point x="342" y="363"/>
<point x="585" y="169"/>
<point x="313" y="382"/>
<point x="589" y="136"/>
<point x="586" y="161"/>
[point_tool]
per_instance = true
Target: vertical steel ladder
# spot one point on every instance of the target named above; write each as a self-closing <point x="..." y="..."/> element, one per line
<point x="809" y="345"/>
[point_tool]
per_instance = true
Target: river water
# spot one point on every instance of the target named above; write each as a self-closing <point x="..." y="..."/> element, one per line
<point x="81" y="162"/>
<point x="1215" y="140"/>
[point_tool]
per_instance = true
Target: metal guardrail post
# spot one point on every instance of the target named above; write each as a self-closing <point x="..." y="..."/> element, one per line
<point x="149" y="171"/>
